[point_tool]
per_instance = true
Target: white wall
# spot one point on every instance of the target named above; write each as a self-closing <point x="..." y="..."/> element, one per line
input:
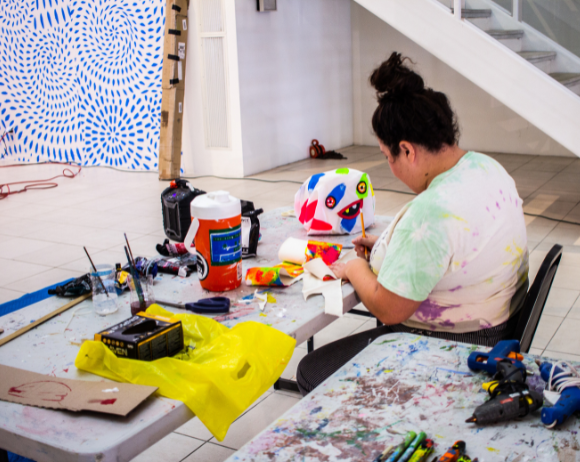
<point x="295" y="71"/>
<point x="486" y="124"/>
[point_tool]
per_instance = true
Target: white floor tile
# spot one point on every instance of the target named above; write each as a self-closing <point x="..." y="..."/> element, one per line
<point x="368" y="325"/>
<point x="13" y="247"/>
<point x="210" y="452"/>
<point x="340" y="328"/>
<point x="567" y="277"/>
<point x="11" y="271"/>
<point x="290" y="371"/>
<point x="574" y="312"/>
<point x="54" y="255"/>
<point x="258" y="418"/>
<point x="558" y="355"/>
<point x="547" y="327"/>
<point x="42" y="280"/>
<point x="536" y="351"/>
<point x="560" y="301"/>
<point x="7" y="295"/>
<point x="172" y="448"/>
<point x="195" y="429"/>
<point x="566" y="338"/>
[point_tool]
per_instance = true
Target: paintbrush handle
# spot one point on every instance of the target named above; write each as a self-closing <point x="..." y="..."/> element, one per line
<point x="364" y="234"/>
<point x="136" y="281"/>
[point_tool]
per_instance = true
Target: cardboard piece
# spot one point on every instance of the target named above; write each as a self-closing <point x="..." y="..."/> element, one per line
<point x="32" y="389"/>
<point x="170" y="136"/>
<point x="174" y="51"/>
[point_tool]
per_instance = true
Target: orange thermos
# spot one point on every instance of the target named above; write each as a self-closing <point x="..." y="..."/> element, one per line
<point x="216" y="226"/>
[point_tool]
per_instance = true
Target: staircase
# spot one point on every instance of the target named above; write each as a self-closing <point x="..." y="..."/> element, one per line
<point x="525" y="70"/>
<point x="514" y="39"/>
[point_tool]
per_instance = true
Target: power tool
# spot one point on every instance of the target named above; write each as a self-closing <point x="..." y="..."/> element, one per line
<point x="503" y="350"/>
<point x="568" y="384"/>
<point x="510" y="396"/>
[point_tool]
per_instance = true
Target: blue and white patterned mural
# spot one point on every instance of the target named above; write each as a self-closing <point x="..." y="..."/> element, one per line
<point x="80" y="80"/>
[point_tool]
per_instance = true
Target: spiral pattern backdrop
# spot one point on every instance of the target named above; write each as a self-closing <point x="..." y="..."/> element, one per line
<point x="80" y="80"/>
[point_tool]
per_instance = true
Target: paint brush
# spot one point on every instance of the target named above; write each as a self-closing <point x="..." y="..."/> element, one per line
<point x="362" y="222"/>
<point x="129" y="247"/>
<point x="96" y="272"/>
<point x="136" y="281"/>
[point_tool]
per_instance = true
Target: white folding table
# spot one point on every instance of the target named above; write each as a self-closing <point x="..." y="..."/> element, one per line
<point x="51" y="348"/>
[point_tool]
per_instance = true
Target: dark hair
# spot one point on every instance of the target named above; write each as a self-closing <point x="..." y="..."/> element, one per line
<point x="409" y="111"/>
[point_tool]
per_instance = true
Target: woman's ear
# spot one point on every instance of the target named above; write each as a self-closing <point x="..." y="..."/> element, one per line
<point x="408" y="150"/>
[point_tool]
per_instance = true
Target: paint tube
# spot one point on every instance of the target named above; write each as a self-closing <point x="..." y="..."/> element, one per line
<point x="75" y="288"/>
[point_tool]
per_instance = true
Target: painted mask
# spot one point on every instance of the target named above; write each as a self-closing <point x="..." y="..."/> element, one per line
<point x="331" y="202"/>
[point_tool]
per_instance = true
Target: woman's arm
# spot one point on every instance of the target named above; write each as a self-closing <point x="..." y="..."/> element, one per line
<point x="387" y="306"/>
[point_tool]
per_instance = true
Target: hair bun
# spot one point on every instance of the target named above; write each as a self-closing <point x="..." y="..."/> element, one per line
<point x="393" y="80"/>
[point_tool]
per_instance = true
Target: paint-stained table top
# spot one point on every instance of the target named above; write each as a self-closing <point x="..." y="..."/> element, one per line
<point x="404" y="382"/>
<point x="51" y="348"/>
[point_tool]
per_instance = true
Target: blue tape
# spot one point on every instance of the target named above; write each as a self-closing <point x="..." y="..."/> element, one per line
<point x="28" y="299"/>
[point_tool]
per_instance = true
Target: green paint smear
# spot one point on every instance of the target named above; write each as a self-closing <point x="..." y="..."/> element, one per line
<point x="448" y="348"/>
<point x="342" y="171"/>
<point x="387" y="341"/>
<point x="364" y="178"/>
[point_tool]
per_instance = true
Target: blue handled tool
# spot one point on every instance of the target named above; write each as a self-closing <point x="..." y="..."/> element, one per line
<point x="214" y="305"/>
<point x="505" y="349"/>
<point x="569" y="401"/>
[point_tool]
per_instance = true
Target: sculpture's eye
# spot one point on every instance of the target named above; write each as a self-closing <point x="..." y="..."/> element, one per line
<point x="362" y="187"/>
<point x="330" y="202"/>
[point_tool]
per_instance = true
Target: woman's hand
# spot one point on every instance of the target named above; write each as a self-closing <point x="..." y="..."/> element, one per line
<point x="360" y="243"/>
<point x="339" y="270"/>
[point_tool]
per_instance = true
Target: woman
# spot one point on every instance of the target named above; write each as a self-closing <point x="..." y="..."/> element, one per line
<point x="454" y="262"/>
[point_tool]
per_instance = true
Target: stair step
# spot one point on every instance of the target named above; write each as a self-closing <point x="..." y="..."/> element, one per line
<point x="472" y="14"/>
<point x="500" y="34"/>
<point x="566" y="78"/>
<point x="537" y="56"/>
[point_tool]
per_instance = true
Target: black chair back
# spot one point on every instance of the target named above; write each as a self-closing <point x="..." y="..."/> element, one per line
<point x="531" y="311"/>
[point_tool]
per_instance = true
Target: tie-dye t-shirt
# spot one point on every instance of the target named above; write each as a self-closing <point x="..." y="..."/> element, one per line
<point x="460" y="247"/>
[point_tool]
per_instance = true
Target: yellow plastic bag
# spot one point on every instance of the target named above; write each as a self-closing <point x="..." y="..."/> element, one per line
<point x="218" y="380"/>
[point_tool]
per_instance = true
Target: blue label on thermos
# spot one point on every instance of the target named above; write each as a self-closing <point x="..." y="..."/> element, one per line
<point x="226" y="246"/>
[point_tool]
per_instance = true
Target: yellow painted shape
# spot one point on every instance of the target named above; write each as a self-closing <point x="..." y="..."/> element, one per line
<point x="263" y="315"/>
<point x="493" y="450"/>
<point x="271" y="299"/>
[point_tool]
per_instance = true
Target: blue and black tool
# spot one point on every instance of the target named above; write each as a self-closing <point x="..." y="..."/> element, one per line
<point x="214" y="305"/>
<point x="503" y="350"/>
<point x="569" y="401"/>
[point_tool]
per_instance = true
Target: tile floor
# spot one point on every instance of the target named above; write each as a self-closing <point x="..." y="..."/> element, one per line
<point x="42" y="234"/>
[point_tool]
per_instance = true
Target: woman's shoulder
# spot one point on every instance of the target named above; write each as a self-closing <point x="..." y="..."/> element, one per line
<point x="473" y="160"/>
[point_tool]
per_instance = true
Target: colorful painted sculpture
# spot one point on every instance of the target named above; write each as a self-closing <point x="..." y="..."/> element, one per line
<point x="331" y="202"/>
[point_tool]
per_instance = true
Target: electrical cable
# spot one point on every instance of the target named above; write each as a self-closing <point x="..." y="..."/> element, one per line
<point x="262" y="180"/>
<point x="565" y="379"/>
<point x="47" y="183"/>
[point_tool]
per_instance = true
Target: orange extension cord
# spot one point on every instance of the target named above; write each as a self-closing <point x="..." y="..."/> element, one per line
<point x="5" y="190"/>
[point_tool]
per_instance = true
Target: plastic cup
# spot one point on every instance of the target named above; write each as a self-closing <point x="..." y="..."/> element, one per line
<point x="147" y="294"/>
<point x="104" y="295"/>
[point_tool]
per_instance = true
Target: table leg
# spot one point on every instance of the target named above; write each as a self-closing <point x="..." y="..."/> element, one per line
<point x="287" y="384"/>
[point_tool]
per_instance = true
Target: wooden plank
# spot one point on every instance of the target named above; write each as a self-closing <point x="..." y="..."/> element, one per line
<point x="173" y="85"/>
<point x="50" y="315"/>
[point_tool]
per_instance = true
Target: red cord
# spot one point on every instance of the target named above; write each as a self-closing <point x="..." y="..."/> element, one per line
<point x="37" y="184"/>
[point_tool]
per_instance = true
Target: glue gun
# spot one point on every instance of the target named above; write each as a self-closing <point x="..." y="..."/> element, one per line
<point x="567" y="404"/>
<point x="505" y="349"/>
